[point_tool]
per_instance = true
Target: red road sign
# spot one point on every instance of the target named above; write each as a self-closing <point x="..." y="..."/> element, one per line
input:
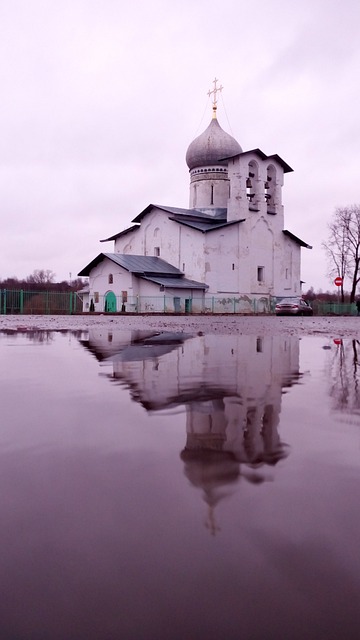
<point x="338" y="281"/>
<point x="337" y="341"/>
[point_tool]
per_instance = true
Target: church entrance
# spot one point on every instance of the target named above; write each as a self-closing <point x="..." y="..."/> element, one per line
<point x="110" y="302"/>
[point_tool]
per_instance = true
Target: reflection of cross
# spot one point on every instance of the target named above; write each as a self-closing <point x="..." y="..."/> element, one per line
<point x="214" y="91"/>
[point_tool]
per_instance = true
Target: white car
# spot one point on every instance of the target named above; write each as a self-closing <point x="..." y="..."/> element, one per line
<point x="293" y="307"/>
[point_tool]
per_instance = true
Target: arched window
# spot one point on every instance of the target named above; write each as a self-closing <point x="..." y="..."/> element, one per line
<point x="252" y="186"/>
<point x="111" y="278"/>
<point x="270" y="189"/>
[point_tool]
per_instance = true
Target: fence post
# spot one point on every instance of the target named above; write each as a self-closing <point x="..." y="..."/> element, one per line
<point x="212" y="304"/>
<point x="5" y="302"/>
<point x="70" y="302"/>
<point x="21" y="302"/>
<point x="164" y="304"/>
<point x="234" y="305"/>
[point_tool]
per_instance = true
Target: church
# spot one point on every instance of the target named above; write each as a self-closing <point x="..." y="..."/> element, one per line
<point x="228" y="252"/>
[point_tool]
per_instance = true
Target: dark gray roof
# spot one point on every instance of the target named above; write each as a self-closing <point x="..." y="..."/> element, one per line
<point x="263" y="156"/>
<point x="176" y="283"/>
<point x="193" y="216"/>
<point x="149" y="268"/>
<point x="122" y="233"/>
<point x="141" y="265"/>
<point x="296" y="239"/>
<point x="205" y="226"/>
<point x="176" y="211"/>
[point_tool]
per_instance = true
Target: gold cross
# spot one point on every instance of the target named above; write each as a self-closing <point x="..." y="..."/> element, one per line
<point x="214" y="91"/>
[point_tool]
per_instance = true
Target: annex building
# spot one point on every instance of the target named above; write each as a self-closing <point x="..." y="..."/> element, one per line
<point x="228" y="251"/>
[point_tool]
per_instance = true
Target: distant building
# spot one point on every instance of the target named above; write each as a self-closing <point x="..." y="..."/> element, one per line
<point x="230" y="243"/>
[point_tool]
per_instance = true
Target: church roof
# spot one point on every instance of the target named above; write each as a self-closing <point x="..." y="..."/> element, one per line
<point x="205" y="225"/>
<point x="211" y="147"/>
<point x="200" y="213"/>
<point x="286" y="167"/>
<point x="122" y="233"/>
<point x="296" y="239"/>
<point x="142" y="265"/>
<point x="176" y="283"/>
<point x="203" y="219"/>
<point x="149" y="268"/>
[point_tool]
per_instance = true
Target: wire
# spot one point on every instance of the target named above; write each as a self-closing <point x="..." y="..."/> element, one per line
<point x="228" y="121"/>
<point x="203" y="115"/>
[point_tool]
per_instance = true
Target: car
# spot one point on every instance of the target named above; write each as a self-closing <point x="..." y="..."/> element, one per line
<point x="293" y="307"/>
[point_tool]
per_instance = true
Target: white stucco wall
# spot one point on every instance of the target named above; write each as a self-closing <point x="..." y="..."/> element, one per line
<point x="250" y="258"/>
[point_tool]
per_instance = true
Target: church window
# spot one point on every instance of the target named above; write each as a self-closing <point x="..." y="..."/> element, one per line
<point x="259" y="345"/>
<point x="260" y="274"/>
<point x="183" y="266"/>
<point x="233" y="267"/>
<point x="252" y="185"/>
<point x="111" y="278"/>
<point x="269" y="189"/>
<point x="156" y="251"/>
<point x="212" y="195"/>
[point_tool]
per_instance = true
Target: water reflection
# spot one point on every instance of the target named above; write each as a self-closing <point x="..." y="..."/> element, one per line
<point x="343" y="367"/>
<point x="230" y="388"/>
<point x="100" y="535"/>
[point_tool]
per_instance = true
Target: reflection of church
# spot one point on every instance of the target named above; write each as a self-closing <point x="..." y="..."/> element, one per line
<point x="231" y="389"/>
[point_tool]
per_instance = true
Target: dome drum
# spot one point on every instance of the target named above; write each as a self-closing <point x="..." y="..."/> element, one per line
<point x="209" y="173"/>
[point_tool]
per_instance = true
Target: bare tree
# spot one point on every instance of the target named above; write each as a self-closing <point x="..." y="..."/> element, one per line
<point x="41" y="276"/>
<point x="343" y="247"/>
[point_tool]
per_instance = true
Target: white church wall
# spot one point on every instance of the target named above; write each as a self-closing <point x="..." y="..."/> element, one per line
<point x="261" y="259"/>
<point x="100" y="282"/>
<point x="222" y="260"/>
<point x="191" y="253"/>
<point x="129" y="243"/>
<point x="289" y="267"/>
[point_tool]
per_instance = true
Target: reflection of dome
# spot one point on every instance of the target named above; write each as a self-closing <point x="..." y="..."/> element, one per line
<point x="212" y="145"/>
<point x="210" y="469"/>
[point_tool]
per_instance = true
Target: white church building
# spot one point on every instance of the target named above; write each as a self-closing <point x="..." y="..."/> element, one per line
<point x="229" y="251"/>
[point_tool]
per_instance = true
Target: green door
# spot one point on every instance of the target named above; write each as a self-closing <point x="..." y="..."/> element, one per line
<point x="110" y="302"/>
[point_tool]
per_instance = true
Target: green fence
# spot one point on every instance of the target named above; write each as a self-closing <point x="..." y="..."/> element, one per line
<point x="334" y="308"/>
<point x="39" y="302"/>
<point x="177" y="304"/>
<point x="70" y="302"/>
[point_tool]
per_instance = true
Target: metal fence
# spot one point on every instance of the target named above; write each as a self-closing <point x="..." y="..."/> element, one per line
<point x="70" y="302"/>
<point x="178" y="305"/>
<point x="39" y="302"/>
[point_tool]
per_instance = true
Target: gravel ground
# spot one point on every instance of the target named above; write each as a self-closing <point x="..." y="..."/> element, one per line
<point x="334" y="326"/>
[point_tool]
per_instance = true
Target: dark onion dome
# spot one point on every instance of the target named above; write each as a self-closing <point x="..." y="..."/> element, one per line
<point x="212" y="145"/>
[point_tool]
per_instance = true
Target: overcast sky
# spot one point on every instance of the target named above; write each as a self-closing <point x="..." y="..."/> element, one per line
<point x="101" y="98"/>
